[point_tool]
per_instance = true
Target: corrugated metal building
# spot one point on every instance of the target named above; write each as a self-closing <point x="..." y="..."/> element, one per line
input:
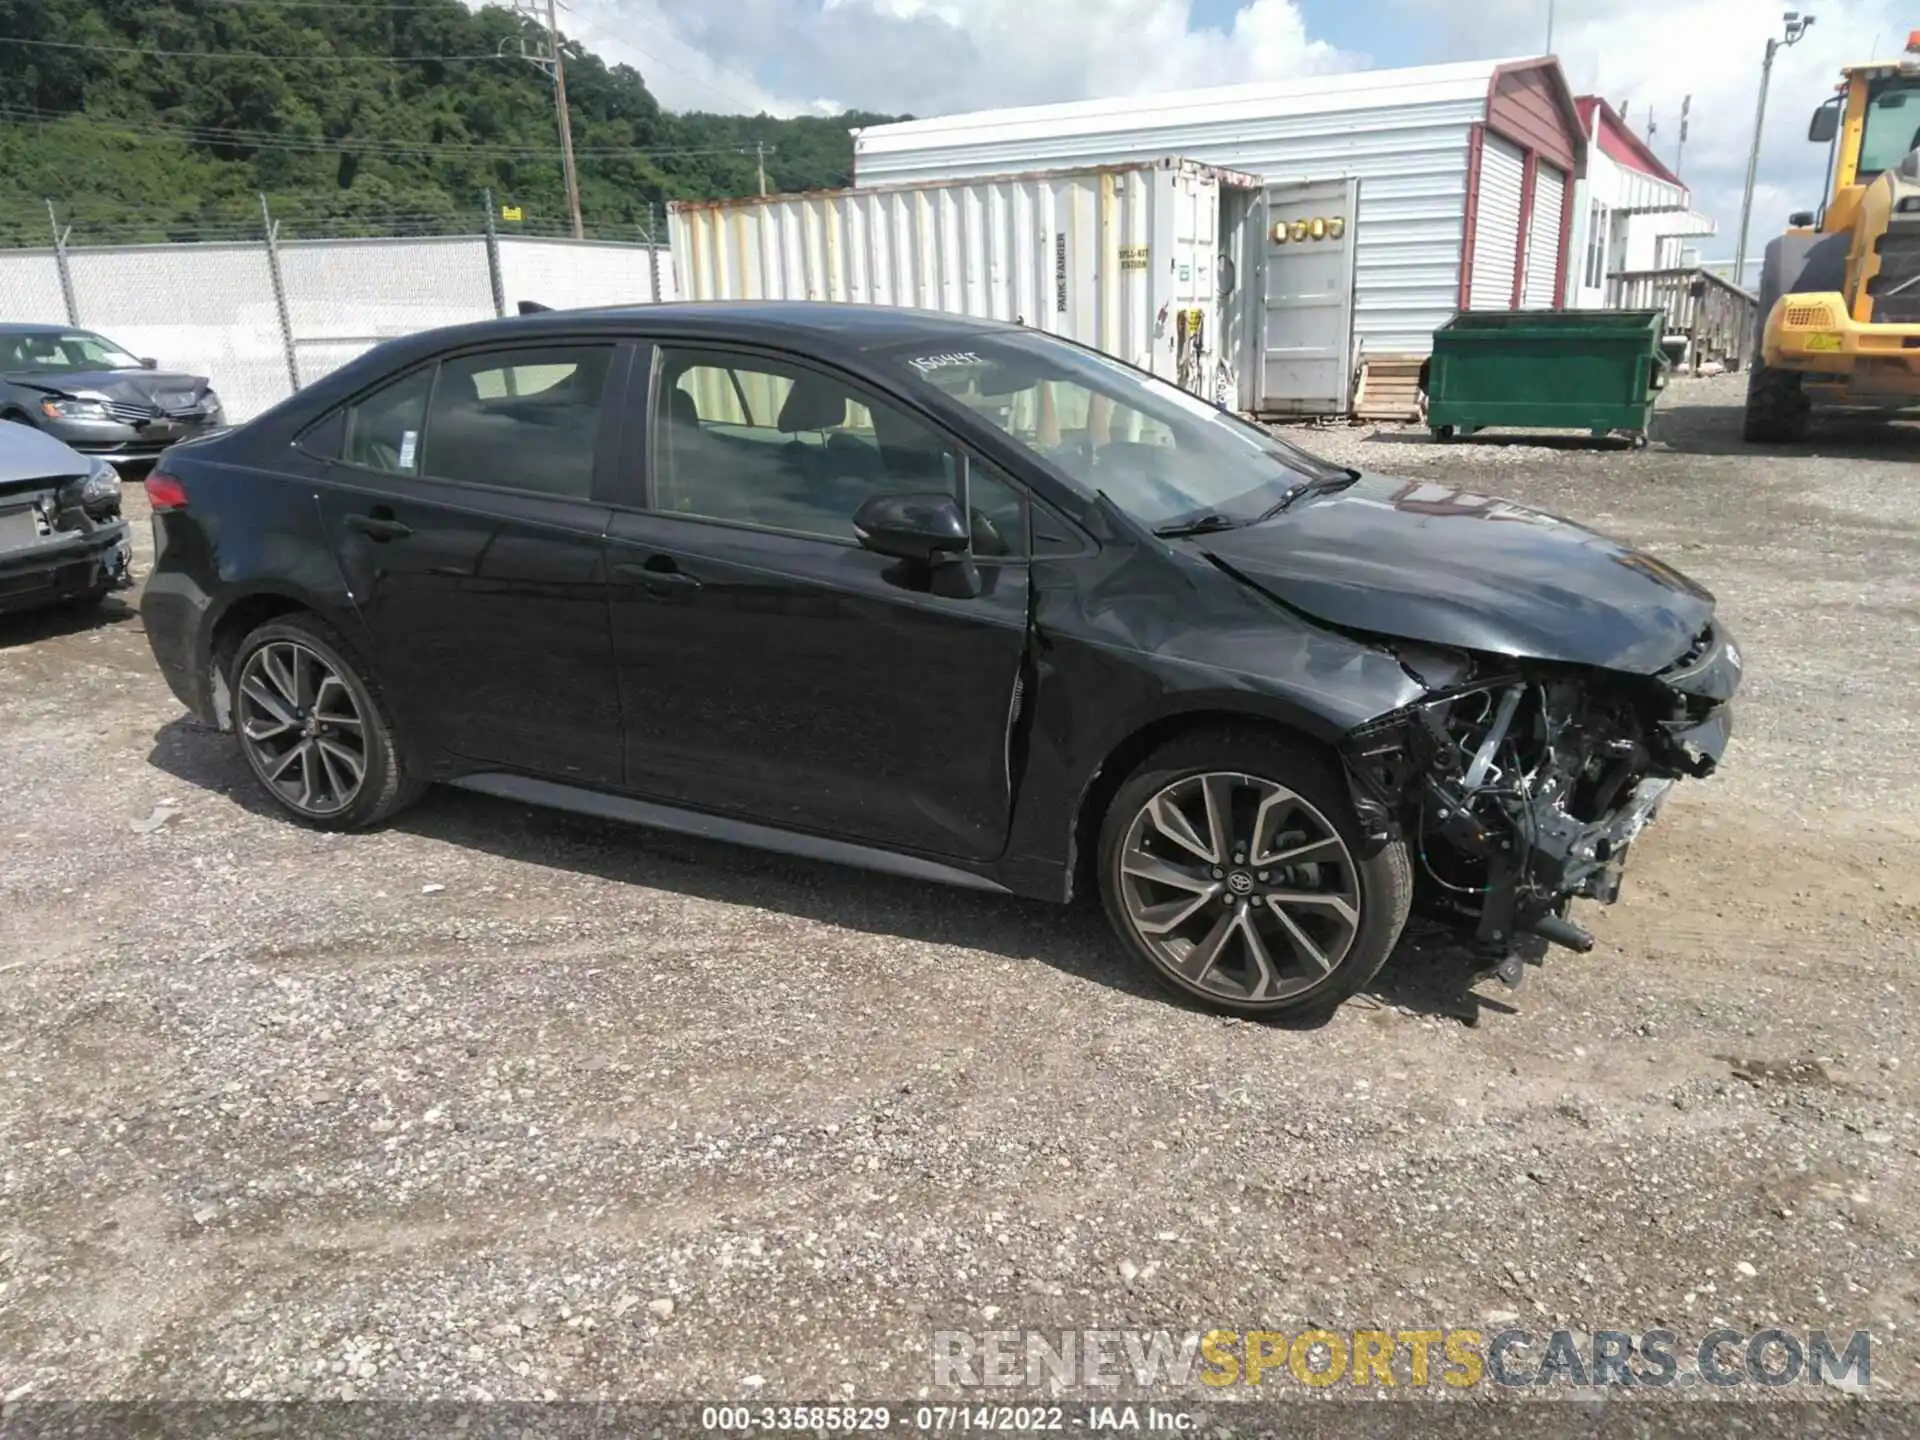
<point x="1465" y="171"/>
<point x="1121" y="257"/>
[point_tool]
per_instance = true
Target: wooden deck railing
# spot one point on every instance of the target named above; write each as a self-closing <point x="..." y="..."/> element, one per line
<point x="1717" y="317"/>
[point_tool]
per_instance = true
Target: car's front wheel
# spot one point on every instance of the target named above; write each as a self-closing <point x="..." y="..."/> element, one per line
<point x="1232" y="865"/>
<point x="312" y="727"/>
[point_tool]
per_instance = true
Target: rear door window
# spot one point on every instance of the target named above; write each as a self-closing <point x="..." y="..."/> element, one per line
<point x="524" y="419"/>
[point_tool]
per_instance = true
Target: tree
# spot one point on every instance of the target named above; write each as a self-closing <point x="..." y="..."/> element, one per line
<point x="359" y="121"/>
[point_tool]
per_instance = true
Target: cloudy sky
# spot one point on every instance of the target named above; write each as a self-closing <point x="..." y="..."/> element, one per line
<point x="929" y="57"/>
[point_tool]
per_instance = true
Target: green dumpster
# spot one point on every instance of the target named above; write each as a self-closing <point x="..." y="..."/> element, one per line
<point x="1593" y="370"/>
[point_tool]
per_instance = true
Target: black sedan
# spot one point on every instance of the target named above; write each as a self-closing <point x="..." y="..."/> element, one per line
<point x="952" y="599"/>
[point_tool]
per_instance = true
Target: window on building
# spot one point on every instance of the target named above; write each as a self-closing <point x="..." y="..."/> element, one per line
<point x="1597" y="246"/>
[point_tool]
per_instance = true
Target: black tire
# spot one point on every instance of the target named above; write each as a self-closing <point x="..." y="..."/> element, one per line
<point x="1777" y="409"/>
<point x="1443" y="434"/>
<point x="1382" y="876"/>
<point x="385" y="787"/>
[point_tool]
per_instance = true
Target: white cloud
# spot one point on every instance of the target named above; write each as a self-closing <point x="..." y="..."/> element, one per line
<point x="929" y="57"/>
<point x="681" y="74"/>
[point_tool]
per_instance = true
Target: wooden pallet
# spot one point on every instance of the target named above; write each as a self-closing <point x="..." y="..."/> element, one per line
<point x="1389" y="388"/>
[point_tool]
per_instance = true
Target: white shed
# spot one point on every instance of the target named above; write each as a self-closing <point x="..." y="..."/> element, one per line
<point x="1632" y="213"/>
<point x="1465" y="171"/>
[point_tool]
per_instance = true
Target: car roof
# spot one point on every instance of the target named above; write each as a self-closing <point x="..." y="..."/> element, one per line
<point x="861" y="325"/>
<point x="822" y="329"/>
<point x="824" y="326"/>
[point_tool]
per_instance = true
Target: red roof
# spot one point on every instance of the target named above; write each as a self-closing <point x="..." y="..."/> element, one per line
<point x="1618" y="142"/>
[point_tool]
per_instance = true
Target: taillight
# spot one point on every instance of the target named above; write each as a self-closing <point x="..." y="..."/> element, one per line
<point x="164" y="492"/>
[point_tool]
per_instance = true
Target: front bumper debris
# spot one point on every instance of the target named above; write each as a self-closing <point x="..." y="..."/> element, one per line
<point x="1522" y="790"/>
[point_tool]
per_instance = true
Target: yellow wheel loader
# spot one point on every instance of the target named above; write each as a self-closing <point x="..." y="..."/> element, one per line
<point x="1839" y="323"/>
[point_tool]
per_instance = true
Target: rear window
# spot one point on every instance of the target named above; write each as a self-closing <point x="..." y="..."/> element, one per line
<point x="383" y="429"/>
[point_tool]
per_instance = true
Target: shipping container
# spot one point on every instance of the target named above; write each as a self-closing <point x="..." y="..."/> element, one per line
<point x="1424" y="143"/>
<point x="1141" y="261"/>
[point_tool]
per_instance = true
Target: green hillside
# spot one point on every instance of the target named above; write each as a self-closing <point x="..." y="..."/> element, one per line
<point x="163" y="119"/>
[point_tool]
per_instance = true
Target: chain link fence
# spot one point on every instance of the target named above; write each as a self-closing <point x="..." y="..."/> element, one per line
<point x="263" y="315"/>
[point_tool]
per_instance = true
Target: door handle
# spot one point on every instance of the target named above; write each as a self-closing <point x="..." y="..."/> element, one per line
<point x="657" y="576"/>
<point x="379" y="527"/>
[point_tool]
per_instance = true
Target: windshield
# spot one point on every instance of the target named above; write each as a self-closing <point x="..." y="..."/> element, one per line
<point x="1893" y="126"/>
<point x="1162" y="455"/>
<point x="62" y="352"/>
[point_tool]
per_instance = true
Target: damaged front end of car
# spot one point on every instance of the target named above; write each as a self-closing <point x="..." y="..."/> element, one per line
<point x="1519" y="786"/>
<point x="62" y="536"/>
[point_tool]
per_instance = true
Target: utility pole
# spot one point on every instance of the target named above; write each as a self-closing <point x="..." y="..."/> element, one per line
<point x="760" y="163"/>
<point x="1680" y="150"/>
<point x="1549" y="49"/>
<point x="1796" y="25"/>
<point x="555" y="65"/>
<point x="566" y="124"/>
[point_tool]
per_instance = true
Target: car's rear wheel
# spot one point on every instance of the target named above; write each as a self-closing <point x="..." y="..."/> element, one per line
<point x="1232" y="865"/>
<point x="312" y="728"/>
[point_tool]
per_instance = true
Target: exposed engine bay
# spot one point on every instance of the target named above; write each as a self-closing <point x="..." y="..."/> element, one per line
<point x="1520" y="786"/>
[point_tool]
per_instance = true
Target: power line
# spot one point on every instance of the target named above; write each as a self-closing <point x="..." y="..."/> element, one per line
<point x="555" y="65"/>
<point x="242" y="54"/>
<point x="732" y="98"/>
<point x="271" y="140"/>
<point x="447" y="7"/>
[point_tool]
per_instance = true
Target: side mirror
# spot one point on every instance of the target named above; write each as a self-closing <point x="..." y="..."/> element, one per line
<point x="927" y="529"/>
<point x="149" y="363"/>
<point x="1800" y="219"/>
<point x="1825" y="125"/>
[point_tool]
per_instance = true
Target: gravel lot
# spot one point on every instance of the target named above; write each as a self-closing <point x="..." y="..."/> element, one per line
<point x="502" y="1103"/>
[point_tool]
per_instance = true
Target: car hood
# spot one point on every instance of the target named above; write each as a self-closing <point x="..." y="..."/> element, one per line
<point x="166" y="389"/>
<point x="1422" y="561"/>
<point x="27" y="454"/>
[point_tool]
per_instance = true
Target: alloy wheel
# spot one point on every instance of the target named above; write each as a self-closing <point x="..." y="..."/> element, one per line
<point x="301" y="727"/>
<point x="1239" y="887"/>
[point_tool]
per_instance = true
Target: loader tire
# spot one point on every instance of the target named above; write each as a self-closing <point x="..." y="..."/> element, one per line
<point x="1777" y="408"/>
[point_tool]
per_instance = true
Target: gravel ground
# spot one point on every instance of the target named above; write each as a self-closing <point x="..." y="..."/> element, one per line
<point x="502" y="1103"/>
